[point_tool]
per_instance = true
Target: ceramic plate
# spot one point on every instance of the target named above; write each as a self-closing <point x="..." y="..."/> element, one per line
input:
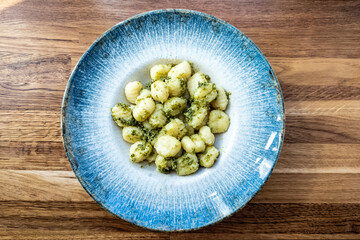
<point x="141" y="195"/>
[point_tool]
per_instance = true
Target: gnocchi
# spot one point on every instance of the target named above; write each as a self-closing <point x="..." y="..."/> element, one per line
<point x="206" y="135"/>
<point x="196" y="114"/>
<point x="187" y="164"/>
<point x="176" y="86"/>
<point x="194" y="82"/>
<point x="144" y="93"/>
<point x="175" y="128"/>
<point x="132" y="134"/>
<point x="132" y="90"/>
<point x="158" y="118"/>
<point x="182" y="70"/>
<point x="159" y="91"/>
<point x="206" y="92"/>
<point x="221" y="100"/>
<point x="140" y="150"/>
<point x="187" y="144"/>
<point x="165" y="165"/>
<point x="198" y="142"/>
<point x="218" y="121"/>
<point x="167" y="146"/>
<point x="174" y="106"/>
<point x="159" y="71"/>
<point x="122" y="115"/>
<point x="208" y="158"/>
<point x="172" y="120"/>
<point x="144" y="109"/>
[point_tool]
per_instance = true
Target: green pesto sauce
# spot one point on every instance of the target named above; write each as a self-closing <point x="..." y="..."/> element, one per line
<point x="182" y="83"/>
<point x="130" y="122"/>
<point x="170" y="164"/>
<point x="187" y="160"/>
<point x="176" y="106"/>
<point x="189" y="113"/>
<point x="208" y="157"/>
<point x="228" y="93"/>
<point x="141" y="146"/>
<point x="199" y="103"/>
<point x="147" y="86"/>
<point x="202" y="84"/>
<point x="149" y="134"/>
<point x="124" y="106"/>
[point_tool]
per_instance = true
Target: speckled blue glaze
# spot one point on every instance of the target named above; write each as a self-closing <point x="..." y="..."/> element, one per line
<point x="99" y="156"/>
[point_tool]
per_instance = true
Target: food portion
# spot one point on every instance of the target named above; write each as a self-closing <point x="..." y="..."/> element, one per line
<point x="172" y="120"/>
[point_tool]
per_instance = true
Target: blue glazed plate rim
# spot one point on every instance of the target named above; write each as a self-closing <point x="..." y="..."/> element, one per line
<point x="66" y="142"/>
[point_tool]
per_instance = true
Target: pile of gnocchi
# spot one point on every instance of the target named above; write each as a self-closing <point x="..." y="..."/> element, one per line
<point x="172" y="120"/>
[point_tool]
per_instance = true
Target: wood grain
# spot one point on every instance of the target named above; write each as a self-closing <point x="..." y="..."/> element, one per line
<point x="253" y="236"/>
<point x="33" y="82"/>
<point x="281" y="28"/>
<point x="319" y="158"/>
<point x="30" y="125"/>
<point x="33" y="155"/>
<point x="88" y="217"/>
<point x="292" y="187"/>
<point x="313" y="47"/>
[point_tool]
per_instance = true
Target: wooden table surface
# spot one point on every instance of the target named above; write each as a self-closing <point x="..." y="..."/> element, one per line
<point x="314" y="48"/>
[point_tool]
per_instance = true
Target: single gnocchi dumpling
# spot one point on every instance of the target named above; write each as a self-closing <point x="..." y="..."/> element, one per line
<point x="144" y="93"/>
<point x="144" y="109"/>
<point x="158" y="119"/>
<point x="177" y="86"/>
<point x="164" y="165"/>
<point x="206" y="91"/>
<point x="132" y="90"/>
<point x="159" y="91"/>
<point x="122" y="115"/>
<point x="208" y="158"/>
<point x="159" y="71"/>
<point x="174" y="106"/>
<point x="182" y="70"/>
<point x="139" y="151"/>
<point x="167" y="146"/>
<point x="188" y="145"/>
<point x="221" y="100"/>
<point x="132" y="134"/>
<point x="175" y="128"/>
<point x="206" y="135"/>
<point x="219" y="121"/>
<point x="196" y="114"/>
<point x="187" y="164"/>
<point x="198" y="142"/>
<point x="194" y="82"/>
